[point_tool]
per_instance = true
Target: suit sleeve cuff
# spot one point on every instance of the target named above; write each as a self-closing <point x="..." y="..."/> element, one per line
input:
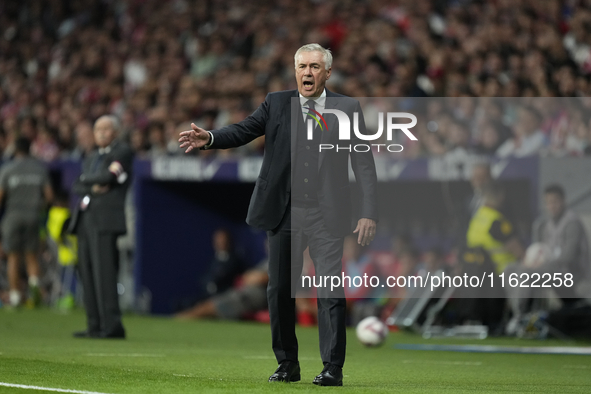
<point x="210" y="141"/>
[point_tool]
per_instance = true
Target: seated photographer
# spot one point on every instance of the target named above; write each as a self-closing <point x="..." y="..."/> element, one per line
<point x="560" y="247"/>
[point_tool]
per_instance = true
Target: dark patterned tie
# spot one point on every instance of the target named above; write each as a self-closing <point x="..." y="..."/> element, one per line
<point x="311" y="104"/>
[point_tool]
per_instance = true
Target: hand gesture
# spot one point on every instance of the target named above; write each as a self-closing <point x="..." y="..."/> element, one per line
<point x="194" y="139"/>
<point x="366" y="230"/>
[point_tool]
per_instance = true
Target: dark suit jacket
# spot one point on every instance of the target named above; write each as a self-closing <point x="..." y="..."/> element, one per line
<point x="105" y="211"/>
<point x="272" y="191"/>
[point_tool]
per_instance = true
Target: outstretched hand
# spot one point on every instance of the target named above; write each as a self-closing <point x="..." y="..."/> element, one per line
<point x="194" y="139"/>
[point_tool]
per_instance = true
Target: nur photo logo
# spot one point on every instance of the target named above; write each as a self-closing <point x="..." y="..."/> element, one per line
<point x="344" y="131"/>
<point x="310" y="124"/>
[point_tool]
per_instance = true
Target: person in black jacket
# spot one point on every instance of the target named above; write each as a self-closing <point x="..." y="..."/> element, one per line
<point x="98" y="221"/>
<point x="302" y="198"/>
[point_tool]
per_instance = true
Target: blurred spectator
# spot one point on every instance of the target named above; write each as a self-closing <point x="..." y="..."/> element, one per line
<point x="357" y="263"/>
<point x="528" y="139"/>
<point x="84" y="140"/>
<point x="172" y="135"/>
<point x="480" y="178"/>
<point x="409" y="261"/>
<point x="65" y="138"/>
<point x="157" y="140"/>
<point x="492" y="136"/>
<point x="225" y="267"/>
<point x="44" y="147"/>
<point x="458" y="139"/>
<point x="563" y="234"/>
<point x="389" y="263"/>
<point x="433" y="261"/>
<point x="139" y="142"/>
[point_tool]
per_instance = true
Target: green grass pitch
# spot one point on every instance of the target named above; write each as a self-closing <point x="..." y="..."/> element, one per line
<point x="166" y="356"/>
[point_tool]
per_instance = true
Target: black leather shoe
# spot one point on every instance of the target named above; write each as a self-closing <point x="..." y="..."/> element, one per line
<point x="118" y="333"/>
<point x="331" y="375"/>
<point x="86" y="334"/>
<point x="288" y="371"/>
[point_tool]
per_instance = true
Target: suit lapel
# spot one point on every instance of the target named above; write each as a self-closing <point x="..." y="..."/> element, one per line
<point x="92" y="163"/>
<point x="290" y="115"/>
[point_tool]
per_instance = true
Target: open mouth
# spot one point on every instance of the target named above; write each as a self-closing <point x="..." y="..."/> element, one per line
<point x="308" y="85"/>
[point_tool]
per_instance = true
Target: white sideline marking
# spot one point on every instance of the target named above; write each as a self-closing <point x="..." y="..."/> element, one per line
<point x="123" y="355"/>
<point x="473" y="363"/>
<point x="183" y="376"/>
<point x="22" y="386"/>
<point x="576" y="366"/>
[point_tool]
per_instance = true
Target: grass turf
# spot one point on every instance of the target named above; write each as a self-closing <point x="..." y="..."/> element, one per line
<point x="166" y="356"/>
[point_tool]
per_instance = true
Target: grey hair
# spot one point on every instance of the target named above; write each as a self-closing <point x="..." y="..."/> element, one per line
<point x="315" y="48"/>
<point x="115" y="123"/>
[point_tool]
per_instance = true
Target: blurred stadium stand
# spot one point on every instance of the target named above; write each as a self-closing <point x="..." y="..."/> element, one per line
<point x="159" y="65"/>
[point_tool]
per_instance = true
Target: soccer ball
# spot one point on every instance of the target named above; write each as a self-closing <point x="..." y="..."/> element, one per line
<point x="371" y="331"/>
<point x="536" y="255"/>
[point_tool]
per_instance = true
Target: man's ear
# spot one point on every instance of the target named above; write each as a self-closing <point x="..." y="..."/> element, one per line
<point x="328" y="73"/>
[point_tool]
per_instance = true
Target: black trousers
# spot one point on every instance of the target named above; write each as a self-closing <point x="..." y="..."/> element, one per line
<point x="301" y="228"/>
<point x="98" y="266"/>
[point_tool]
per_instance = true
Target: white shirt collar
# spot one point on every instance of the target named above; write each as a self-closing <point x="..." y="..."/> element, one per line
<point x="104" y="150"/>
<point x="319" y="101"/>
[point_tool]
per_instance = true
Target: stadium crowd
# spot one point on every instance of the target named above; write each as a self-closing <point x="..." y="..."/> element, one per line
<point x="158" y="65"/>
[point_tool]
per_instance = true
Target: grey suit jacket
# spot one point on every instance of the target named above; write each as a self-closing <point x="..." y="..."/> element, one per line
<point x="105" y="211"/>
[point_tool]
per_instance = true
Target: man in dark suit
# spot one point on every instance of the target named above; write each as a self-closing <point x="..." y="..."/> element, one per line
<point x="302" y="198"/>
<point x="98" y="221"/>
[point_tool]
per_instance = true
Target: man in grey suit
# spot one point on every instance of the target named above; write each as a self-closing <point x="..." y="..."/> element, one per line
<point x="98" y="222"/>
<point x="302" y="199"/>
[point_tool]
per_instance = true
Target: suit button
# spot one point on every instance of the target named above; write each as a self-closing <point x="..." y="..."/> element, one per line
<point x="306" y="180"/>
<point x="306" y="164"/>
<point x="305" y="195"/>
<point x="308" y="147"/>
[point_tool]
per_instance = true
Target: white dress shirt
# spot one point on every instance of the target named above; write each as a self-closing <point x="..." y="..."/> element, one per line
<point x="319" y="103"/>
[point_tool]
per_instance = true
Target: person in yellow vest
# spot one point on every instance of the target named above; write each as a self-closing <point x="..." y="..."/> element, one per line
<point x="490" y="230"/>
<point x="66" y="248"/>
<point x="492" y="236"/>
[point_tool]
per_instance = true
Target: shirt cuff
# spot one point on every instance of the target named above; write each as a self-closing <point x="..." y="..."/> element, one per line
<point x="210" y="141"/>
